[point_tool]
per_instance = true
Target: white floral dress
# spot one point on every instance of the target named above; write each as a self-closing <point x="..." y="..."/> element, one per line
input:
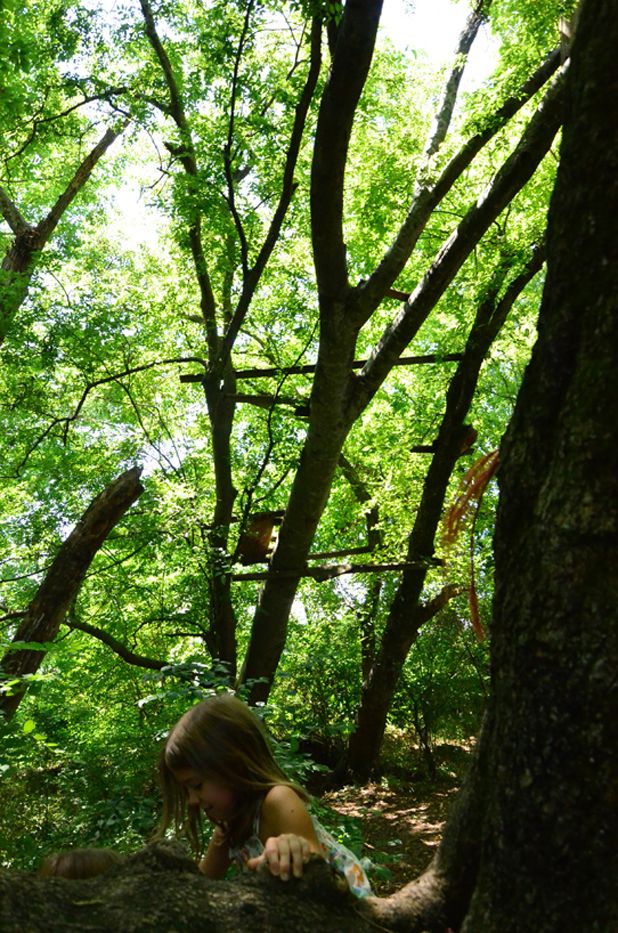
<point x="335" y="853"/>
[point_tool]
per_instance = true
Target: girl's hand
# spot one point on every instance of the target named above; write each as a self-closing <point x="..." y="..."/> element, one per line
<point x="282" y="853"/>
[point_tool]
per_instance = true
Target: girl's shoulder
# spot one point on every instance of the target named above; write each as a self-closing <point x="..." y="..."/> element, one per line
<point x="281" y="796"/>
<point x="284" y="811"/>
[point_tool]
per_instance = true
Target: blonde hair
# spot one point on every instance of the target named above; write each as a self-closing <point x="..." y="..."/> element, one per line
<point x="219" y="738"/>
<point x="79" y="863"/>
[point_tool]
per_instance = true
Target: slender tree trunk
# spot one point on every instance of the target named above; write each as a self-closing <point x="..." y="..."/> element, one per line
<point x="47" y="610"/>
<point x="222" y="629"/>
<point x="407" y="613"/>
<point x="308" y="498"/>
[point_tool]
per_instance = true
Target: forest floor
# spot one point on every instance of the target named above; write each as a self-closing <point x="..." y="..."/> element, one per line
<point x="400" y="819"/>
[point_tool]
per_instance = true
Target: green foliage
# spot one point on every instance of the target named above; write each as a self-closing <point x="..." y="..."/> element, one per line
<point x="89" y="384"/>
<point x="444" y="685"/>
<point x="318" y="687"/>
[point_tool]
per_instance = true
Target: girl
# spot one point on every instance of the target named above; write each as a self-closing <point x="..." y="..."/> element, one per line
<point x="217" y="761"/>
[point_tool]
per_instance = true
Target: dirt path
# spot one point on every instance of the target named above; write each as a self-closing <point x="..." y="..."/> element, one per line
<point x="401" y="823"/>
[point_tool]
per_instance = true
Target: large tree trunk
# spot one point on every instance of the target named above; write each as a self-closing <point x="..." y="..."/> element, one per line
<point x="552" y="812"/>
<point x="543" y="846"/>
<point x="47" y="610"/>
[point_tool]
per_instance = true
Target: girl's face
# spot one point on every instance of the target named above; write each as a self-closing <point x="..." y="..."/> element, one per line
<point x="216" y="799"/>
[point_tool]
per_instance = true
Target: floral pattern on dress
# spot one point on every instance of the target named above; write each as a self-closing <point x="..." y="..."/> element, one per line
<point x="341" y="859"/>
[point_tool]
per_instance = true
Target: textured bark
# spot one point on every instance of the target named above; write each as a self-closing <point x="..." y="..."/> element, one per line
<point x="47" y="610"/>
<point x="306" y="504"/>
<point x="328" y="426"/>
<point x="534" y="831"/>
<point x="549" y="857"/>
<point x="158" y="889"/>
<point x="222" y="623"/>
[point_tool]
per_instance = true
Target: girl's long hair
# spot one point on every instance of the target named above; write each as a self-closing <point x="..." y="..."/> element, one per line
<point x="221" y="739"/>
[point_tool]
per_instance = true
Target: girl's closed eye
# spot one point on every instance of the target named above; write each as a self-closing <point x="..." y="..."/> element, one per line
<point x="216" y="799"/>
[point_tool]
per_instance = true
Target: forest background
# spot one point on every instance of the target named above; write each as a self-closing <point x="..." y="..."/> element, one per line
<point x="307" y="203"/>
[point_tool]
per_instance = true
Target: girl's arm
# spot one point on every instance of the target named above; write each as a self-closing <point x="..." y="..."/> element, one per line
<point x="216" y="860"/>
<point x="286" y="832"/>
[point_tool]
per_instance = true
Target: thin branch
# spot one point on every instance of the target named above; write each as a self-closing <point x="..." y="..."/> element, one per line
<point x="186" y="154"/>
<point x="321" y="574"/>
<point x="449" y="98"/>
<point x="345" y="552"/>
<point x="138" y="414"/>
<point x="277" y="371"/>
<point x="87" y="99"/>
<point x="26" y="576"/>
<point x="18" y="614"/>
<point x="116" y="562"/>
<point x="265" y="400"/>
<point x="511" y="178"/>
<point x="360" y="490"/>
<point x="115" y="377"/>
<point x="427" y="198"/>
<point x="288" y="187"/>
<point x="117" y="647"/>
<point x="227" y="149"/>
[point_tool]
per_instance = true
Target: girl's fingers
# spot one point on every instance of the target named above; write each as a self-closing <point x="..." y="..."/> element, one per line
<point x="299" y="851"/>
<point x="282" y="853"/>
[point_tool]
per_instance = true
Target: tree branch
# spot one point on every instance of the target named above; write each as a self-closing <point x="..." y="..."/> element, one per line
<point x="511" y="178"/>
<point x="252" y="276"/>
<point x="372" y="514"/>
<point x="351" y="61"/>
<point x="449" y="98"/>
<point x="20" y="260"/>
<point x="11" y="214"/>
<point x="66" y="421"/>
<point x="433" y="606"/>
<point x="439" y="899"/>
<point x="309" y="368"/>
<point x="117" y="647"/>
<point x="186" y="154"/>
<point x="428" y="196"/>
<point x="227" y="149"/>
<point x="491" y="314"/>
<point x="320" y="574"/>
<point x="48" y="609"/>
<point x="47" y="226"/>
